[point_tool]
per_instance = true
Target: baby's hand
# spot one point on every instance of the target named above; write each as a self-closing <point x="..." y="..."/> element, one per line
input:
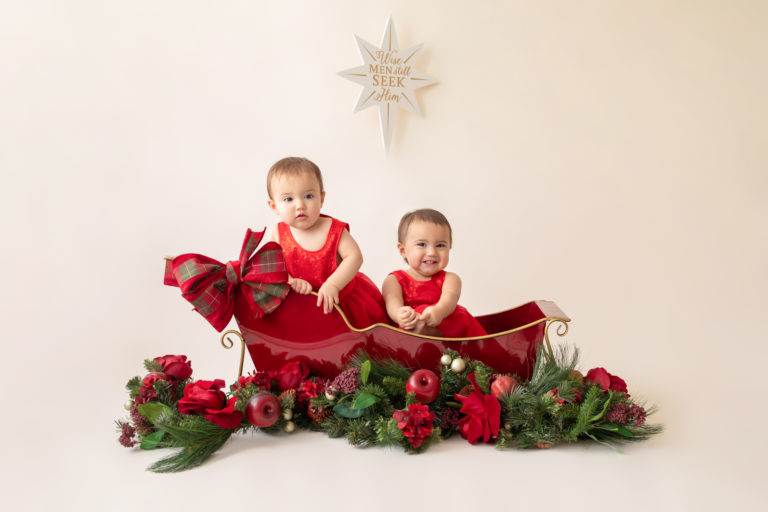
<point x="327" y="296"/>
<point x="431" y="316"/>
<point x="407" y="318"/>
<point x="299" y="285"/>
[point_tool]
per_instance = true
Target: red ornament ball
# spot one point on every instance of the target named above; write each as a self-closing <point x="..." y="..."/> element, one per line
<point x="263" y="409"/>
<point x="503" y="385"/>
<point x="424" y="384"/>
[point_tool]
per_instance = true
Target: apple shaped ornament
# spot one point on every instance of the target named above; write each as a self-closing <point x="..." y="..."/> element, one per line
<point x="503" y="385"/>
<point x="424" y="384"/>
<point x="263" y="409"/>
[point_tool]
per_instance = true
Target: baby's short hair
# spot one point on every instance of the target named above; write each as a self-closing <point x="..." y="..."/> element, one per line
<point x="424" y="215"/>
<point x="293" y="166"/>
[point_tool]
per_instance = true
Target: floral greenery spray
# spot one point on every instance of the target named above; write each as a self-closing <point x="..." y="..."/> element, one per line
<point x="376" y="402"/>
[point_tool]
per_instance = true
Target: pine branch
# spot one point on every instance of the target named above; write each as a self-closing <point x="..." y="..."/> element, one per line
<point x="152" y="366"/>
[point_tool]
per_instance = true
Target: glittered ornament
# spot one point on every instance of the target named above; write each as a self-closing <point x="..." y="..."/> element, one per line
<point x="458" y="365"/>
<point x="330" y="395"/>
<point x="289" y="427"/>
<point x="128" y="405"/>
<point x="446" y="360"/>
<point x="288" y="414"/>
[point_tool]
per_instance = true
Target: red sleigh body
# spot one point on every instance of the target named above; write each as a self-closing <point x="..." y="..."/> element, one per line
<point x="299" y="330"/>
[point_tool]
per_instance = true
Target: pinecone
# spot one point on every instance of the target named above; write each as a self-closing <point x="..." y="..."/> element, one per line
<point x="287" y="398"/>
<point x="466" y="390"/>
<point x="318" y="413"/>
<point x="543" y="445"/>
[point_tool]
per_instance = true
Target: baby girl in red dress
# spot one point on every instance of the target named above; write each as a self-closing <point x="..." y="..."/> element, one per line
<point x="319" y="252"/>
<point x="423" y="298"/>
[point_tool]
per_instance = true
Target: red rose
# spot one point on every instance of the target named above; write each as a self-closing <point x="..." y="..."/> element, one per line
<point x="206" y="398"/>
<point x="482" y="414"/>
<point x="201" y="395"/>
<point x="599" y="376"/>
<point x="416" y="423"/>
<point x="291" y="375"/>
<point x="606" y="380"/>
<point x="176" y="366"/>
<point x="227" y="417"/>
<point x="618" y="384"/>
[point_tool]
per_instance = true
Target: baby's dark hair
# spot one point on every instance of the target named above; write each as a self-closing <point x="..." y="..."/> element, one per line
<point x="424" y="215"/>
<point x="293" y="166"/>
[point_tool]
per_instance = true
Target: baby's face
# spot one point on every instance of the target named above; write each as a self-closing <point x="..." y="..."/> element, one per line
<point x="297" y="199"/>
<point x="426" y="247"/>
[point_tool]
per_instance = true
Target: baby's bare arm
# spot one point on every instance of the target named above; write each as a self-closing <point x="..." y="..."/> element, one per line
<point x="351" y="261"/>
<point x="449" y="298"/>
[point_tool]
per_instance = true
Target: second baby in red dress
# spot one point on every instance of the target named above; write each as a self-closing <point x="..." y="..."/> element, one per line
<point x="424" y="297"/>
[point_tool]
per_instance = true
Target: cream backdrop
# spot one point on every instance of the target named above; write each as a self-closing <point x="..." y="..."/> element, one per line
<point x="610" y="156"/>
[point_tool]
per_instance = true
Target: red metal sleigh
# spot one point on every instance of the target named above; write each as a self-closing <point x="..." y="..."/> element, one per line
<point x="299" y="330"/>
<point x="278" y="326"/>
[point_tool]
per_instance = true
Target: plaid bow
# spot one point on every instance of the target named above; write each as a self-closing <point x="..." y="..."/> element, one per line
<point x="213" y="287"/>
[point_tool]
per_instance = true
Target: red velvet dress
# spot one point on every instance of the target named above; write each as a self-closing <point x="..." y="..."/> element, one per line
<point x="421" y="294"/>
<point x="360" y="300"/>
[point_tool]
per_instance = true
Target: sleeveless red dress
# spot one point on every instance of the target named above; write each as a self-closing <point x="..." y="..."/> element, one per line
<point x="421" y="294"/>
<point x="360" y="300"/>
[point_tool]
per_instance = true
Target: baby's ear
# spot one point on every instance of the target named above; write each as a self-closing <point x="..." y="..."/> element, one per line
<point x="272" y="205"/>
<point x="322" y="198"/>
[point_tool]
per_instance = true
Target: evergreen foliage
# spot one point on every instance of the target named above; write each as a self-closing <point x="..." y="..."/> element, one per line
<point x="554" y="406"/>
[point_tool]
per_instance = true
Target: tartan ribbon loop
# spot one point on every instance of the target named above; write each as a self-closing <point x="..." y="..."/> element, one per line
<point x="233" y="272"/>
<point x="215" y="288"/>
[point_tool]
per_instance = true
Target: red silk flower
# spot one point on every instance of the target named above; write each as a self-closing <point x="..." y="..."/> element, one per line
<point x="482" y="414"/>
<point x="291" y="375"/>
<point x="176" y="366"/>
<point x="605" y="380"/>
<point x="416" y="423"/>
<point x="205" y="397"/>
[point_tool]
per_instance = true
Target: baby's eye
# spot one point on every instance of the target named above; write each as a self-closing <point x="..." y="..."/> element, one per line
<point x="421" y="244"/>
<point x="309" y="196"/>
<point x="441" y="245"/>
<point x="287" y="199"/>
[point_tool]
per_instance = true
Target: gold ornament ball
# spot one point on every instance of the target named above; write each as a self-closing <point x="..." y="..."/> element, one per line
<point x="128" y="405"/>
<point x="330" y="395"/>
<point x="458" y="365"/>
<point x="290" y="427"/>
<point x="288" y="414"/>
<point x="446" y="360"/>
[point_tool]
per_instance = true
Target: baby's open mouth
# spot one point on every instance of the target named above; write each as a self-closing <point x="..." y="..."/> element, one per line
<point x="429" y="262"/>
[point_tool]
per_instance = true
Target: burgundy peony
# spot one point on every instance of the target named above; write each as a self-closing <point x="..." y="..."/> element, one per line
<point x="416" y="423"/>
<point x="261" y="380"/>
<point x="307" y="390"/>
<point x="176" y="366"/>
<point x="147" y="389"/>
<point x="205" y="397"/>
<point x="605" y="380"/>
<point x="291" y="375"/>
<point x="482" y="414"/>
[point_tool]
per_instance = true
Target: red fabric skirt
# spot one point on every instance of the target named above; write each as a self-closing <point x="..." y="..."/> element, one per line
<point x="362" y="303"/>
<point x="459" y="324"/>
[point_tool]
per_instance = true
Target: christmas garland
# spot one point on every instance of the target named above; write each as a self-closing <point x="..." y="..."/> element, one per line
<point x="382" y="403"/>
